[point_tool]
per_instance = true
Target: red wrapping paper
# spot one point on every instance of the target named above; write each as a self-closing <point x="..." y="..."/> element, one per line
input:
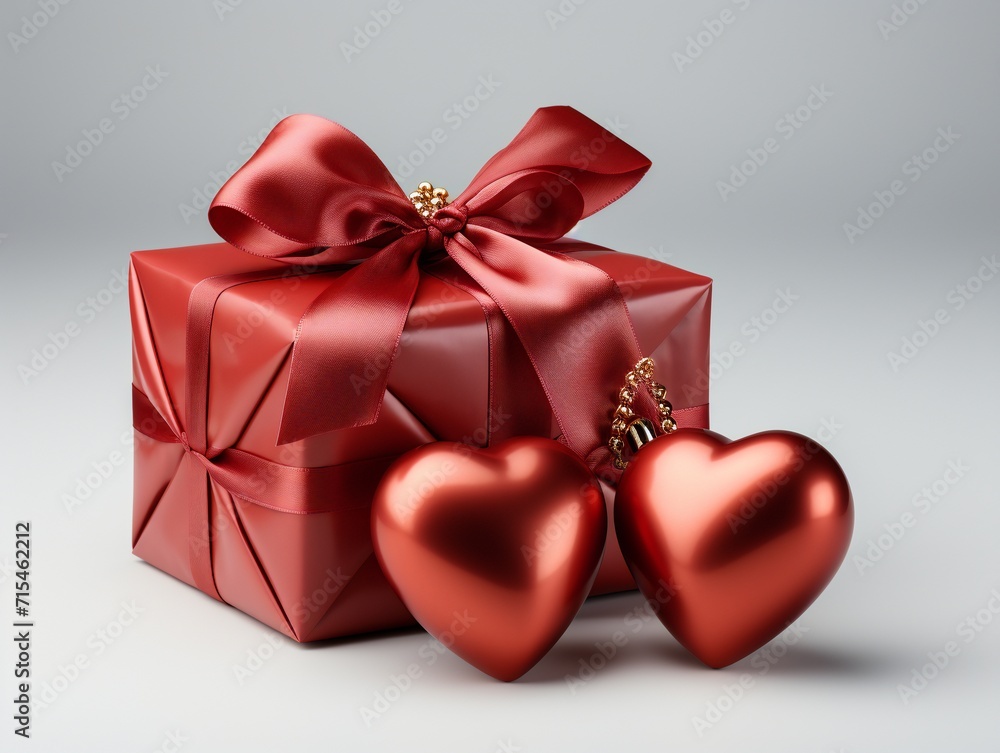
<point x="270" y="391"/>
<point x="313" y="576"/>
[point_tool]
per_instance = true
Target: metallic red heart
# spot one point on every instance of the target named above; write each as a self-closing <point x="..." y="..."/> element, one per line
<point x="492" y="550"/>
<point x="732" y="540"/>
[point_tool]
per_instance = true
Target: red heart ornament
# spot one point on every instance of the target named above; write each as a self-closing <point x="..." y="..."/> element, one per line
<point x="492" y="550"/>
<point x="732" y="540"/>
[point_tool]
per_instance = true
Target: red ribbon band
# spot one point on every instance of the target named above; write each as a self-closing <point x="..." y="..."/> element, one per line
<point x="315" y="194"/>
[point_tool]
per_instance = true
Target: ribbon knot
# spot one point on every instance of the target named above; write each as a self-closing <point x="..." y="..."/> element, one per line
<point x="443" y="223"/>
<point x="315" y="193"/>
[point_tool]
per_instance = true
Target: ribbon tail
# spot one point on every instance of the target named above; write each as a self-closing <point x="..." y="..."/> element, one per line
<point x="346" y="343"/>
<point x="513" y="389"/>
<point x="200" y="527"/>
<point x="571" y="319"/>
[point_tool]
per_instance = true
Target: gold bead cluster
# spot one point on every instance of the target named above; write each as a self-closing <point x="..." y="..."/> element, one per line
<point x="641" y="375"/>
<point x="427" y="199"/>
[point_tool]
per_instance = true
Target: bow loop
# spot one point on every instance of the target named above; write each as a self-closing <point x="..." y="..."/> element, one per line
<point x="315" y="193"/>
<point x="311" y="185"/>
<point x="563" y="141"/>
<point x="531" y="205"/>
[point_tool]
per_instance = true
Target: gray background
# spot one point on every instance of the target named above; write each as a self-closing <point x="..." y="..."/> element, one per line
<point x="171" y="671"/>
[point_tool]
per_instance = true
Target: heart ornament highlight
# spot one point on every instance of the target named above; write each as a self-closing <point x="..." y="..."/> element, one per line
<point x="492" y="550"/>
<point x="729" y="540"/>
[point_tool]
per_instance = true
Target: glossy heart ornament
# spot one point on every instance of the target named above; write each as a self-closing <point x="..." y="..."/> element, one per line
<point x="732" y="540"/>
<point x="492" y="550"/>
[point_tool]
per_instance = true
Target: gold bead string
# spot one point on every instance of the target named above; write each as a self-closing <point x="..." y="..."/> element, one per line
<point x="427" y="199"/>
<point x="641" y="375"/>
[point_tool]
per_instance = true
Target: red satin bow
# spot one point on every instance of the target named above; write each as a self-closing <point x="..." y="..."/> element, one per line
<point x="315" y="193"/>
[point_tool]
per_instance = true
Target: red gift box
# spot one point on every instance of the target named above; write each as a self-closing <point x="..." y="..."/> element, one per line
<point x="255" y="467"/>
